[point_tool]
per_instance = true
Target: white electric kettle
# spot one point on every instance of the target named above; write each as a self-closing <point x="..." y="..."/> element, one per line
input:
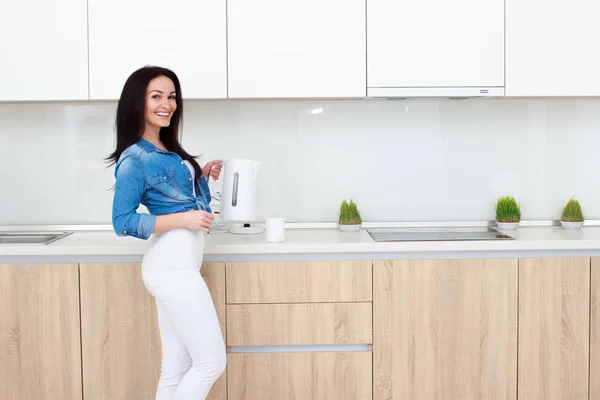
<point x="239" y="194"/>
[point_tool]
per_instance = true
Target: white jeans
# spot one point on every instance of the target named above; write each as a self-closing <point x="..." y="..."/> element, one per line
<point x="193" y="350"/>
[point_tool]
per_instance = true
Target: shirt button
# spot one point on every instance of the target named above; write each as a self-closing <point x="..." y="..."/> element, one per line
<point x="124" y="231"/>
<point x="190" y="179"/>
<point x="182" y="162"/>
<point x="165" y="177"/>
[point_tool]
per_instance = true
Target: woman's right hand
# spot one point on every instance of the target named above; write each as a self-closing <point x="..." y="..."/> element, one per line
<point x="197" y="220"/>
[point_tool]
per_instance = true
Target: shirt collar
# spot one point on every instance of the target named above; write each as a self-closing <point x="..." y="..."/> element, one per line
<point x="147" y="146"/>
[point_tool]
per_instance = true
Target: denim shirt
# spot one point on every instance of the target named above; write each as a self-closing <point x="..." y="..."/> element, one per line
<point x="161" y="181"/>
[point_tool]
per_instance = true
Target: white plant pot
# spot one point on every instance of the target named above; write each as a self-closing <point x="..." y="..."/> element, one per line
<point x="571" y="225"/>
<point x="349" y="228"/>
<point x="507" y="225"/>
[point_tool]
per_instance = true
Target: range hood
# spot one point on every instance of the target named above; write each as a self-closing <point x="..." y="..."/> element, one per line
<point x="449" y="92"/>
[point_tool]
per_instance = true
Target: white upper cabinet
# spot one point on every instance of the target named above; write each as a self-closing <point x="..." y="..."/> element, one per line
<point x="187" y="36"/>
<point x="43" y="50"/>
<point x="551" y="48"/>
<point x="296" y="48"/>
<point x="435" y="47"/>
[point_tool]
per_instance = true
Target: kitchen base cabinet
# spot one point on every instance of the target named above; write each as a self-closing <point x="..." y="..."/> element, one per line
<point x="214" y="276"/>
<point x="306" y="376"/>
<point x="554" y="305"/>
<point x="445" y="329"/>
<point x="121" y="348"/>
<point x="40" y="351"/>
<point x="595" y="330"/>
<point x="300" y="303"/>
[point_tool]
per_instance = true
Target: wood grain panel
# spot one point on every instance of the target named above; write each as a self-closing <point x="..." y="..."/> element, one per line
<point x="595" y="330"/>
<point x="40" y="349"/>
<point x="120" y="337"/>
<point x="300" y="376"/>
<point x="121" y="340"/>
<point x="554" y="304"/>
<point x="445" y="329"/>
<point x="299" y="281"/>
<point x="299" y="324"/>
<point x="214" y="276"/>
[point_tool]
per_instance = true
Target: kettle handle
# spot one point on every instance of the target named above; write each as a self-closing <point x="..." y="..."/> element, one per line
<point x="208" y="180"/>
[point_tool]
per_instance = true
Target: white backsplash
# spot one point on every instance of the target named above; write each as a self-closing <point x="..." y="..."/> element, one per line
<point x="401" y="160"/>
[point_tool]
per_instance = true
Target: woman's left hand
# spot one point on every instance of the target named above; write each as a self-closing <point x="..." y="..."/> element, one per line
<point x="213" y="168"/>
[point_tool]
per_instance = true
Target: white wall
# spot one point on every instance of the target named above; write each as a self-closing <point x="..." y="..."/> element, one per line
<point x="411" y="160"/>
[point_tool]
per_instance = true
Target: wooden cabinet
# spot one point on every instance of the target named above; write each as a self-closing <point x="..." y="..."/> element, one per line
<point x="445" y="329"/>
<point x="306" y="376"/>
<point x="595" y="330"/>
<point x="299" y="324"/>
<point x="44" y="50"/>
<point x="214" y="276"/>
<point x="550" y="48"/>
<point x="299" y="281"/>
<point x="554" y="317"/>
<point x="388" y="329"/>
<point x="299" y="303"/>
<point x="120" y="338"/>
<point x="435" y="47"/>
<point x="119" y="333"/>
<point x="298" y="48"/>
<point x="188" y="37"/>
<point x="39" y="332"/>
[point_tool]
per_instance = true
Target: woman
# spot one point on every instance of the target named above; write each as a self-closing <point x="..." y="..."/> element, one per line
<point x="153" y="169"/>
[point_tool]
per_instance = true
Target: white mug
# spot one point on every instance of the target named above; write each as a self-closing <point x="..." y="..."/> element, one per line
<point x="275" y="228"/>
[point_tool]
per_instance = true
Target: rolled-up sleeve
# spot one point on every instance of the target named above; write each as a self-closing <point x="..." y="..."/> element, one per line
<point x="129" y="189"/>
<point x="203" y="193"/>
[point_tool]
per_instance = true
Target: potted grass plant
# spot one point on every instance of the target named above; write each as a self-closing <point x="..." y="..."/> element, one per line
<point x="508" y="213"/>
<point x="572" y="216"/>
<point x="349" y="219"/>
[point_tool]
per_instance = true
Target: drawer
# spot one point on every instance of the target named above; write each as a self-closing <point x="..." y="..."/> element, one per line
<point x="299" y="282"/>
<point x="306" y="376"/>
<point x="299" y="324"/>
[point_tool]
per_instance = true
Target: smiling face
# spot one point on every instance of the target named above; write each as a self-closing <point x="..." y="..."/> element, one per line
<point x="160" y="103"/>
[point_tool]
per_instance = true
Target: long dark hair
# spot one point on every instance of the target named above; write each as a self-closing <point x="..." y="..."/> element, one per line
<point x="130" y="119"/>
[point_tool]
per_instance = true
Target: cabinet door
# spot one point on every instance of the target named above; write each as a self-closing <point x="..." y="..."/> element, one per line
<point x="298" y="48"/>
<point x="317" y="281"/>
<point x="44" y="50"/>
<point x="214" y="276"/>
<point x="551" y="48"/>
<point x="445" y="329"/>
<point x="299" y="324"/>
<point x="435" y="47"/>
<point x="554" y="316"/>
<point x="120" y="333"/>
<point x="188" y="37"/>
<point x="595" y="331"/>
<point x="40" y="348"/>
<point x="299" y="375"/>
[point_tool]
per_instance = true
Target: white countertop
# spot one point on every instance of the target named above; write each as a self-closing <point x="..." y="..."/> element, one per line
<point x="316" y="241"/>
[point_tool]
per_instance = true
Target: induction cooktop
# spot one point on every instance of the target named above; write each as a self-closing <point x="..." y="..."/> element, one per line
<point x="431" y="234"/>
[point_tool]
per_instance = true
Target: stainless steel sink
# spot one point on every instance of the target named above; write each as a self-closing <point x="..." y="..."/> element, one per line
<point x="432" y="234"/>
<point x="31" y="237"/>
